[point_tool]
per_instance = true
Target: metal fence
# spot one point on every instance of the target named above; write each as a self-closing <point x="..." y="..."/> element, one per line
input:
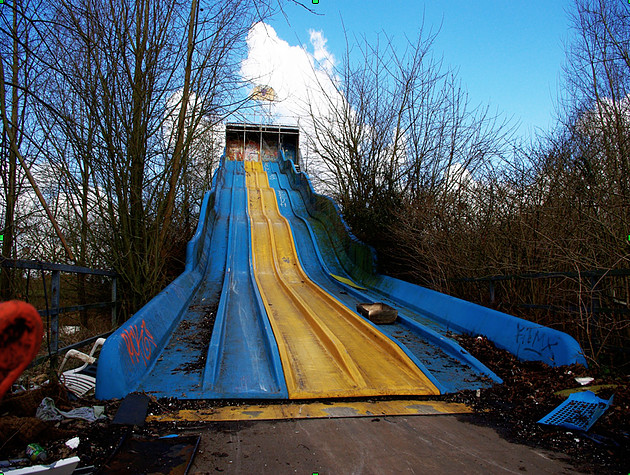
<point x="594" y="277"/>
<point x="54" y="310"/>
<point x="597" y="300"/>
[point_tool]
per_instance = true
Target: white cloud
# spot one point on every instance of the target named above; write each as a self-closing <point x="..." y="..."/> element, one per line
<point x="302" y="77"/>
<point x="299" y="77"/>
<point x="324" y="57"/>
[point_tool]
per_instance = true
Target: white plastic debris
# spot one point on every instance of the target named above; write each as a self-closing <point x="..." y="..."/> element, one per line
<point x="584" y="381"/>
<point x="60" y="467"/>
<point x="73" y="443"/>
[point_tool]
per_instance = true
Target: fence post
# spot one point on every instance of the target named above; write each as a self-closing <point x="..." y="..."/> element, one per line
<point x="54" y="311"/>
<point x="594" y="310"/>
<point x="114" y="302"/>
<point x="595" y="298"/>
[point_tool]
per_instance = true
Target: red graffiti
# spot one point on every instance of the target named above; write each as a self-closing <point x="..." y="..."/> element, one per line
<point x="139" y="343"/>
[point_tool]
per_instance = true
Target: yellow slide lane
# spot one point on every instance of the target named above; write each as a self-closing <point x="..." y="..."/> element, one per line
<point x="326" y="349"/>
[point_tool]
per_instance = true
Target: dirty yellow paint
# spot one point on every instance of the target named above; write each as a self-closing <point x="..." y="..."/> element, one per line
<point x="326" y="349"/>
<point x="347" y="281"/>
<point x="596" y="389"/>
<point x="313" y="410"/>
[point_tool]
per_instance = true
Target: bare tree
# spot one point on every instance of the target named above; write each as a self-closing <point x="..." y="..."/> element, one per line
<point x="18" y="72"/>
<point x="153" y="51"/>
<point x="561" y="204"/>
<point x="598" y="111"/>
<point x="398" y="135"/>
<point x="127" y="91"/>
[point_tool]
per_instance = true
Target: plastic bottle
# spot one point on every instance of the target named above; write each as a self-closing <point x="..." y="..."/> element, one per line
<point x="36" y="453"/>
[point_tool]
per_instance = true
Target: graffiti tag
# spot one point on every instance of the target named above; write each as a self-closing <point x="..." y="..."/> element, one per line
<point x="535" y="341"/>
<point x="282" y="199"/>
<point x="139" y="343"/>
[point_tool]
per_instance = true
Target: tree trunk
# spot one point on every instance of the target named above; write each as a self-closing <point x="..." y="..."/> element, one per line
<point x="176" y="162"/>
<point x="6" y="290"/>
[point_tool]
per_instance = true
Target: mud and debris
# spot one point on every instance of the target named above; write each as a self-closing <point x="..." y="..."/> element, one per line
<point x="196" y="334"/>
<point x="19" y="427"/>
<point x="531" y="390"/>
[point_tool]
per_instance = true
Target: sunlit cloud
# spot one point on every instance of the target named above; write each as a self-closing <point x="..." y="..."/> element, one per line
<point x="301" y="78"/>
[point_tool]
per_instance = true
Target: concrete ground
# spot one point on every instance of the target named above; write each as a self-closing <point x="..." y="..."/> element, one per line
<point x="380" y="445"/>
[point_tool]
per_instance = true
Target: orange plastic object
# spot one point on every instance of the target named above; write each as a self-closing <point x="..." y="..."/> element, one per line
<point x="21" y="332"/>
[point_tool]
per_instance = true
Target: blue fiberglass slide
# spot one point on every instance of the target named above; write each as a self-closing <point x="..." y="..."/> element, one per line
<point x="437" y="314"/>
<point x="206" y="335"/>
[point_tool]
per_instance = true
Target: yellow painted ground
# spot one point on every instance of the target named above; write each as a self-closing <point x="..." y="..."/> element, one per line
<point x="313" y="410"/>
<point x="326" y="350"/>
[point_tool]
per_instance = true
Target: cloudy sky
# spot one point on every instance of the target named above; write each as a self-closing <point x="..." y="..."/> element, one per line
<point x="298" y="73"/>
<point x="508" y="54"/>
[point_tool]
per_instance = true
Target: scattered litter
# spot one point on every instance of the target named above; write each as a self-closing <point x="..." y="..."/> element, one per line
<point x="21" y="329"/>
<point x="12" y="462"/>
<point x="73" y="443"/>
<point x="47" y="411"/>
<point x="132" y="410"/>
<point x="81" y="380"/>
<point x="70" y="329"/>
<point x="579" y="411"/>
<point x="36" y="453"/>
<point x="584" y="381"/>
<point x="596" y="389"/>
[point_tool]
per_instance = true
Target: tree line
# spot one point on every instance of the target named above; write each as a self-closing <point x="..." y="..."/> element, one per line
<point x="111" y="106"/>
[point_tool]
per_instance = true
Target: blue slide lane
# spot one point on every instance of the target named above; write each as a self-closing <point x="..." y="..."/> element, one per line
<point x="168" y="348"/>
<point x="449" y="366"/>
<point x="243" y="359"/>
<point x="154" y="349"/>
<point x="178" y="370"/>
<point x="434" y="311"/>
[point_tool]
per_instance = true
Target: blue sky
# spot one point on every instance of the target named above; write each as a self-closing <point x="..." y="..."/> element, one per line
<point x="509" y="54"/>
